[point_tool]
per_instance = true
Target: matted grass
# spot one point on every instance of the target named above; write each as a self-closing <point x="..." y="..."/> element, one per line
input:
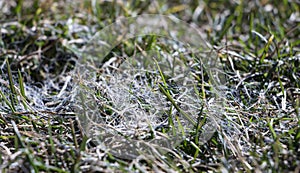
<point x="257" y="42"/>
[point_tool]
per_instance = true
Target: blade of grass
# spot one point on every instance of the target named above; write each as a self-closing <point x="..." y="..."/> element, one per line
<point x="21" y="83"/>
<point x="83" y="143"/>
<point x="27" y="152"/>
<point x="73" y="134"/>
<point x="53" y="150"/>
<point x="265" y="53"/>
<point x="13" y="93"/>
<point x="200" y="123"/>
<point x="22" y="89"/>
<point x="270" y="124"/>
<point x="169" y="97"/>
<point x="8" y="103"/>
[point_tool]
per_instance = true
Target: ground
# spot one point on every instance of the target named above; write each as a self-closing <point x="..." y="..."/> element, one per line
<point x="256" y="42"/>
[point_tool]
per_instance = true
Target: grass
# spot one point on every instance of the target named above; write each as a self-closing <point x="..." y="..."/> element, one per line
<point x="256" y="41"/>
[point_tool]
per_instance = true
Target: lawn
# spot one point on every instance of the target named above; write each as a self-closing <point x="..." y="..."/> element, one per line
<point x="216" y="91"/>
